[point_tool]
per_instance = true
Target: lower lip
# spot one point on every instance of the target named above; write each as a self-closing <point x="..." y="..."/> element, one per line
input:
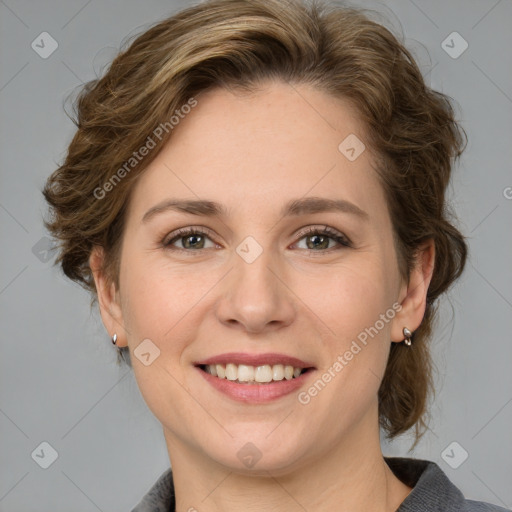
<point x="256" y="393"/>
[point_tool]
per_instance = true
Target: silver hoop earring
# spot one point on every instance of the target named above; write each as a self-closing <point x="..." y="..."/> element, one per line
<point x="114" y="338"/>
<point x="407" y="335"/>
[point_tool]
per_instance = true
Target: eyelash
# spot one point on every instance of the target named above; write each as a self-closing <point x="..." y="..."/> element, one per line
<point x="325" y="230"/>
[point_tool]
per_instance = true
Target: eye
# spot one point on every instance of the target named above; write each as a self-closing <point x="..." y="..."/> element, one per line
<point x="319" y="238"/>
<point x="195" y="238"/>
<point x="190" y="238"/>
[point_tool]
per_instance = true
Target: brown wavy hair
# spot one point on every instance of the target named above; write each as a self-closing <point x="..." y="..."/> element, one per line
<point x="238" y="44"/>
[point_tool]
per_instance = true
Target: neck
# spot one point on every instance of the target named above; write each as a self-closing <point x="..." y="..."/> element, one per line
<point x="351" y="477"/>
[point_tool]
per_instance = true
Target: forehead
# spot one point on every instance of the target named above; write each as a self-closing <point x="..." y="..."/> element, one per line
<point x="261" y="149"/>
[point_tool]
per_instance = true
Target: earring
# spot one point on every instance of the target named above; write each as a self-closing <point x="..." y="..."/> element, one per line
<point x="407" y="335"/>
<point x="114" y="338"/>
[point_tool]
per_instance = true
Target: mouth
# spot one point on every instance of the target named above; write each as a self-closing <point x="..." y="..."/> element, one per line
<point x="255" y="378"/>
<point x="251" y="375"/>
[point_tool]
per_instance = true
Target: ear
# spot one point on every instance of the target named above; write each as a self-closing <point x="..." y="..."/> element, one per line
<point x="108" y="298"/>
<point x="413" y="295"/>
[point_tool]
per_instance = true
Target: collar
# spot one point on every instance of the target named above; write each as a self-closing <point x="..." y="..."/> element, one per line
<point x="432" y="490"/>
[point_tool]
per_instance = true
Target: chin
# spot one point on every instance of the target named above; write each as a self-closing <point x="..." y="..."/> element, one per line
<point x="258" y="455"/>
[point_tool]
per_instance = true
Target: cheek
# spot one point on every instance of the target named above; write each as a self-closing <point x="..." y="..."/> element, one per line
<point x="354" y="299"/>
<point x="356" y="354"/>
<point x="161" y="299"/>
<point x="159" y="304"/>
<point x="357" y="309"/>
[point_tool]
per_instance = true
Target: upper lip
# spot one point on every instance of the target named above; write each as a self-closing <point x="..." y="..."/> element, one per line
<point x="255" y="359"/>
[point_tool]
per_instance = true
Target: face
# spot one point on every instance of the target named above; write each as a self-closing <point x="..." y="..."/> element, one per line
<point x="260" y="279"/>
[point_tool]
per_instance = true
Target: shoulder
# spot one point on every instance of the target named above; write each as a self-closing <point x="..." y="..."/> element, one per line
<point x="160" y="498"/>
<point x="432" y="490"/>
<point x="480" y="506"/>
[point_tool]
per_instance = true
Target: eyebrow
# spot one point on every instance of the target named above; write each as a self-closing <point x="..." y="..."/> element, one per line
<point x="294" y="207"/>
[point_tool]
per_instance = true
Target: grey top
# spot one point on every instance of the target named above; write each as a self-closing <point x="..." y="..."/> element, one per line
<point x="432" y="490"/>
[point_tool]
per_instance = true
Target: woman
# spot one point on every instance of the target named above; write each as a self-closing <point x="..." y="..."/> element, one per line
<point x="255" y="195"/>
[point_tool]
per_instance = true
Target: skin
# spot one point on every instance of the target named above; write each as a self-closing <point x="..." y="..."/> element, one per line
<point x="253" y="153"/>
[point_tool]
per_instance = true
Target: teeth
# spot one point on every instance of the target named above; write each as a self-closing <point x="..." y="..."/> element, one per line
<point x="245" y="373"/>
<point x="263" y="373"/>
<point x="231" y="371"/>
<point x="219" y="368"/>
<point x="278" y="372"/>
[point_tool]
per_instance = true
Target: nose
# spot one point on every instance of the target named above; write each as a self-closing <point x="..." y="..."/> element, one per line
<point x="256" y="296"/>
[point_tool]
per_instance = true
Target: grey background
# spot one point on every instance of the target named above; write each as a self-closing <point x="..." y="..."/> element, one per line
<point x="58" y="379"/>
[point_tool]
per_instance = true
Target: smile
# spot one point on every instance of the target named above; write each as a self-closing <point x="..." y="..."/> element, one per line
<point x="246" y="374"/>
<point x="255" y="384"/>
